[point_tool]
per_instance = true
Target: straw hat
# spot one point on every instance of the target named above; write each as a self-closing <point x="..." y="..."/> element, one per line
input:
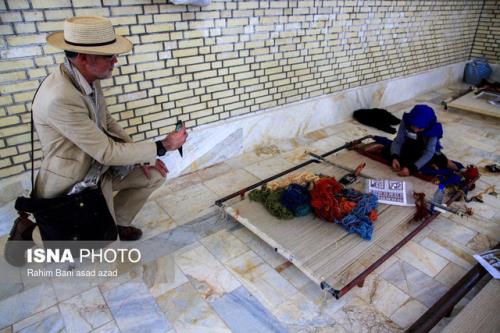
<point x="89" y="35"/>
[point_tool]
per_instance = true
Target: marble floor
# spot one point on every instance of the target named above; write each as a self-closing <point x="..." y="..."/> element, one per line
<point x="213" y="275"/>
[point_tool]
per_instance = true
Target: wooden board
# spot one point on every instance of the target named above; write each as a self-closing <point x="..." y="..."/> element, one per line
<point x="324" y="251"/>
<point x="469" y="102"/>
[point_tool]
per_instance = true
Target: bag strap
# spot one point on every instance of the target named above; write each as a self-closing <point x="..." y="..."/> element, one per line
<point x="33" y="139"/>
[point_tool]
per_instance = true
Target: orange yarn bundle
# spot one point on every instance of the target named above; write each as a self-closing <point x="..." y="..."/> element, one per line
<point x="327" y="200"/>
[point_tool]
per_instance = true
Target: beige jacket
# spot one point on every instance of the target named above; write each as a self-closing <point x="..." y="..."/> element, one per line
<point x="70" y="139"/>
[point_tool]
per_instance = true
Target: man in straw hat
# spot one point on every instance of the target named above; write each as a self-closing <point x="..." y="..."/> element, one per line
<point x="81" y="140"/>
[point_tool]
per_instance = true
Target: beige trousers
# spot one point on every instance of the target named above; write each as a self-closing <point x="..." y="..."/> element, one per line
<point x="133" y="192"/>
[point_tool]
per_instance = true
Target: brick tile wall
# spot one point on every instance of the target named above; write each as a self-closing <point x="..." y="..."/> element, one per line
<point x="203" y="65"/>
<point x="487" y="40"/>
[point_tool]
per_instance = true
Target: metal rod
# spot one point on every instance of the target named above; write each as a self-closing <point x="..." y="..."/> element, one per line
<point x="351" y="171"/>
<point x="262" y="182"/>
<point x="322" y="159"/>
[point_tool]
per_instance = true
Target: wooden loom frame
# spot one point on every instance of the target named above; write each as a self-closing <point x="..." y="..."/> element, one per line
<point x="359" y="279"/>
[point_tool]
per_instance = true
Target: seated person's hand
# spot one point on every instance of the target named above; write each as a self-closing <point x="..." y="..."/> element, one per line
<point x="405" y="172"/>
<point x="395" y="165"/>
<point x="159" y="166"/>
<point x="175" y="140"/>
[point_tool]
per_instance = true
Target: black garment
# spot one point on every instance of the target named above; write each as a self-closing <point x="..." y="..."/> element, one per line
<point x="379" y="118"/>
<point x="411" y="151"/>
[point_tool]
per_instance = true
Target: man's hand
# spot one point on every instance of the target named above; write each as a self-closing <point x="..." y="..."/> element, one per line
<point x="405" y="172"/>
<point x="395" y="165"/>
<point x="159" y="165"/>
<point x="174" y="140"/>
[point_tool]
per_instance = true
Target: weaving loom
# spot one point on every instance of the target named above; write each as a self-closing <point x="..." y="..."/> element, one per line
<point x="472" y="103"/>
<point x="325" y="252"/>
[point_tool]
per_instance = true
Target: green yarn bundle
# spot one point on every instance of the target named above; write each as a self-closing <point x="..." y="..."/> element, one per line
<point x="271" y="200"/>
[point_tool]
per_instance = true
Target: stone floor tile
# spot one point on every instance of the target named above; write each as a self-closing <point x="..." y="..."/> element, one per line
<point x="452" y="230"/>
<point x="358" y="316"/>
<point x="49" y="320"/>
<point x="231" y="182"/>
<point x="152" y="220"/>
<point x="414" y="283"/>
<point x="267" y="168"/>
<point x="384" y="296"/>
<point x="188" y="312"/>
<point x="188" y="204"/>
<point x="422" y="258"/>
<point x="408" y="313"/>
<point x="214" y="171"/>
<point x="207" y="275"/>
<point x="224" y="246"/>
<point x="135" y="310"/>
<point x="244" y="313"/>
<point x="267" y="285"/>
<point x="451" y="274"/>
<point x="107" y="328"/>
<point x="452" y="251"/>
<point x="298" y="312"/>
<point x="85" y="312"/>
<point x="24" y="304"/>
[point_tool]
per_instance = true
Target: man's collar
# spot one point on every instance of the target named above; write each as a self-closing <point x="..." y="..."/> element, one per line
<point x="82" y="81"/>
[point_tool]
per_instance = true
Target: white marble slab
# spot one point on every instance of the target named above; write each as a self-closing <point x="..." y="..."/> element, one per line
<point x="243" y="313"/>
<point x="188" y="312"/>
<point x="298" y="312"/>
<point x="358" y="316"/>
<point x="384" y="296"/>
<point x="26" y="303"/>
<point x="452" y="251"/>
<point x="414" y="283"/>
<point x="231" y="182"/>
<point x="152" y="220"/>
<point x="107" y="328"/>
<point x="422" y="258"/>
<point x="49" y="320"/>
<point x="224" y="246"/>
<point x="135" y="310"/>
<point x="162" y="275"/>
<point x="270" y="288"/>
<point x="208" y="275"/>
<point x="269" y="167"/>
<point x="451" y="274"/>
<point x="452" y="230"/>
<point x="408" y="313"/>
<point x="85" y="312"/>
<point x="188" y="204"/>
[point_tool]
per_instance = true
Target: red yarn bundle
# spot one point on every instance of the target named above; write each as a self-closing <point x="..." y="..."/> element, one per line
<point x="327" y="200"/>
<point x="471" y="172"/>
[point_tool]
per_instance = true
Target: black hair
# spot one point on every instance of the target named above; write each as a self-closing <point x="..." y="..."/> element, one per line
<point x="70" y="54"/>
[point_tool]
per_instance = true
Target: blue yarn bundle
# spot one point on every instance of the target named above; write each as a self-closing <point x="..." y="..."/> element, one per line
<point x="296" y="198"/>
<point x="358" y="221"/>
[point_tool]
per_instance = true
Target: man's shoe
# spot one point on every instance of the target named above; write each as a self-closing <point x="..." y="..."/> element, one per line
<point x="129" y="233"/>
<point x="20" y="239"/>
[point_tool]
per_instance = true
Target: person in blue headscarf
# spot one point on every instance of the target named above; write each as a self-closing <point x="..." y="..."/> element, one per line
<point x="417" y="143"/>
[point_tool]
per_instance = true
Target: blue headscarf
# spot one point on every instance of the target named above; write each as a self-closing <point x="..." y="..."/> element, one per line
<point x="423" y="116"/>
